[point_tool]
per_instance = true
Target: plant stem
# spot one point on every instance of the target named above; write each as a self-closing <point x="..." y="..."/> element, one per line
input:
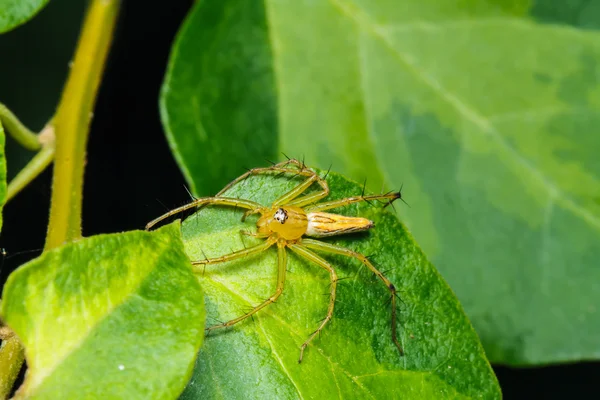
<point x="11" y="359"/>
<point x="17" y="130"/>
<point x="72" y="122"/>
<point x="38" y="163"/>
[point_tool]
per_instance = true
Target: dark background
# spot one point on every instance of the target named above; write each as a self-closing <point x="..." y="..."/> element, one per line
<point x="131" y="176"/>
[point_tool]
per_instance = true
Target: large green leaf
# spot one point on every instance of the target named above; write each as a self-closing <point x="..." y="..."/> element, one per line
<point x="488" y="117"/>
<point x="2" y="174"/>
<point x="16" y="12"/>
<point x="354" y="357"/>
<point x="233" y="100"/>
<point x="112" y="316"/>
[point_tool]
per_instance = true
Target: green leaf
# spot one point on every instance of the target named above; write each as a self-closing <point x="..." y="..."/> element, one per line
<point x="16" y="12"/>
<point x="111" y="316"/>
<point x="231" y="100"/>
<point x="486" y="116"/>
<point x="2" y="174"/>
<point x="354" y="357"/>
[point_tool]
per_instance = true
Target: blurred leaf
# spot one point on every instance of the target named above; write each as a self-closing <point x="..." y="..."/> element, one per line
<point x="354" y="357"/>
<point x="111" y="316"/>
<point x="487" y="117"/>
<point x="16" y="12"/>
<point x="2" y="174"/>
<point x="580" y="13"/>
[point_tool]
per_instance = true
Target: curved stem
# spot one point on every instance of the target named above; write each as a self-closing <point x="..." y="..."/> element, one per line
<point x="36" y="166"/>
<point x="72" y="122"/>
<point x="17" y="130"/>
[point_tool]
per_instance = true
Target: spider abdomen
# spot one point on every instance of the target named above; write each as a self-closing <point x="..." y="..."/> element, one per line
<point x="322" y="224"/>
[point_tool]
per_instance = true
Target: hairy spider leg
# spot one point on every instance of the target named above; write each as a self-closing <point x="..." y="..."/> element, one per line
<point x="328" y="205"/>
<point x="224" y="201"/>
<point x="310" y="198"/>
<point x="256" y="234"/>
<point x="331" y="248"/>
<point x="309" y="255"/>
<point x="250" y="251"/>
<point x="279" y="167"/>
<point x="282" y="265"/>
<point x="290" y="198"/>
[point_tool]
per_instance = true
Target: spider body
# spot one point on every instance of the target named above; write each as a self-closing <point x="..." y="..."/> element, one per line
<point x="291" y="223"/>
<point x="287" y="224"/>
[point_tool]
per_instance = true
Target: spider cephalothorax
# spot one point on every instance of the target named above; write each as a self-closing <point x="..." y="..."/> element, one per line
<point x="281" y="215"/>
<point x="288" y="223"/>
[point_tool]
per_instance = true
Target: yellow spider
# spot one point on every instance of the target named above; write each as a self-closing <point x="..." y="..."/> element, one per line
<point x="288" y="223"/>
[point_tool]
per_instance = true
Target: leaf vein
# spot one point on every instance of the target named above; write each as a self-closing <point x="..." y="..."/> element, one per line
<point x="295" y="333"/>
<point x="467" y="111"/>
<point x="278" y="357"/>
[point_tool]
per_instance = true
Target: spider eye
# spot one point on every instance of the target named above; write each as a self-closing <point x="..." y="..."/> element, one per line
<point x="281" y="215"/>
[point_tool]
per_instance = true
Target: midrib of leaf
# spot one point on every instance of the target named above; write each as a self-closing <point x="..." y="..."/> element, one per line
<point x="439" y="25"/>
<point x="542" y="112"/>
<point x="37" y="376"/>
<point x="276" y="318"/>
<point x="320" y="350"/>
<point x="364" y="23"/>
<point x="278" y="358"/>
<point x="214" y="378"/>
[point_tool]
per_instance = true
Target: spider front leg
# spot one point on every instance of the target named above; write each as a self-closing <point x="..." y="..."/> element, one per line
<point x="390" y="197"/>
<point x="309" y="255"/>
<point x="224" y="201"/>
<point x="282" y="167"/>
<point x="282" y="264"/>
<point x="236" y="254"/>
<point x="290" y="198"/>
<point x="331" y="248"/>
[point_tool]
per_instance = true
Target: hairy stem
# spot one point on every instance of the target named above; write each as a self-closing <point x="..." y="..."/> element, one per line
<point x="11" y="360"/>
<point x="72" y="121"/>
<point x="71" y="124"/>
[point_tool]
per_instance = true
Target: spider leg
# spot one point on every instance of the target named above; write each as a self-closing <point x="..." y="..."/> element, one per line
<point x="201" y="202"/>
<point x="290" y="198"/>
<point x="250" y="251"/>
<point x="309" y="255"/>
<point x="224" y="201"/>
<point x="290" y="166"/>
<point x="282" y="264"/>
<point x="255" y="234"/>
<point x="281" y="167"/>
<point x="331" y="248"/>
<point x="390" y="197"/>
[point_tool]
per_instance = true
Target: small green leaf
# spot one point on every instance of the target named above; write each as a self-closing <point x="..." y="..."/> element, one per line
<point x="2" y="175"/>
<point x="354" y="357"/>
<point x="487" y="116"/>
<point x="111" y="316"/>
<point x="16" y="12"/>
